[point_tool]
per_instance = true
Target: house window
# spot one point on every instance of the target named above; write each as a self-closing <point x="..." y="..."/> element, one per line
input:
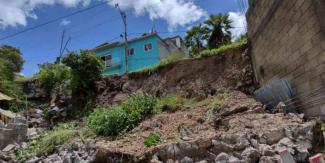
<point x="107" y="60"/>
<point x="130" y="51"/>
<point x="147" y="47"/>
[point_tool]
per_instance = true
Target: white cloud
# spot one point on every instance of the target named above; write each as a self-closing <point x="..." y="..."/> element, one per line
<point x="65" y="22"/>
<point x="16" y="12"/>
<point x="175" y="12"/>
<point x="238" y="23"/>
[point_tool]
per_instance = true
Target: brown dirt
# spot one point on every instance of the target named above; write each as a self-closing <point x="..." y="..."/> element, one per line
<point x="192" y="78"/>
<point x="168" y="125"/>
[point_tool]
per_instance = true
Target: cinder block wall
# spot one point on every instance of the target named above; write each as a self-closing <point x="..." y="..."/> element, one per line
<point x="288" y="41"/>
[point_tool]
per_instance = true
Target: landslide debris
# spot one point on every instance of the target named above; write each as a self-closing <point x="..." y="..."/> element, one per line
<point x="239" y="132"/>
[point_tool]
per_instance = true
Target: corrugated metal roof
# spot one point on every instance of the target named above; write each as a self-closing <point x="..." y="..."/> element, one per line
<point x="4" y="97"/>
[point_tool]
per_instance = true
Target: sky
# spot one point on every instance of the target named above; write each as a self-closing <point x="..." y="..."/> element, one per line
<point x="100" y="24"/>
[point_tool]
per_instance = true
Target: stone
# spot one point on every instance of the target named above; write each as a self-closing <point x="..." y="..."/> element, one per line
<point x="254" y="143"/>
<point x="9" y="148"/>
<point x="203" y="161"/>
<point x="273" y="136"/>
<point x="242" y="143"/>
<point x="268" y="159"/>
<point x="266" y="150"/>
<point x="187" y="160"/>
<point x="301" y="154"/>
<point x="233" y="159"/>
<point x="222" y="158"/>
<point x="33" y="160"/>
<point x="251" y="154"/>
<point x="219" y="146"/>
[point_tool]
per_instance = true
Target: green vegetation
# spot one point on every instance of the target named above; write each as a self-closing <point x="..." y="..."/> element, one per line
<point x="173" y="103"/>
<point x="223" y="48"/>
<point x="172" y="58"/>
<point x="152" y="140"/>
<point x="52" y="76"/>
<point x="213" y="34"/>
<point x="114" y="121"/>
<point x="61" y="135"/>
<point x="85" y="69"/>
<point x="215" y="105"/>
<point x="108" y="121"/>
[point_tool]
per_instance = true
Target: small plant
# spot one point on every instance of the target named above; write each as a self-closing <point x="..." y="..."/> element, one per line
<point x="173" y="103"/>
<point x="108" y="121"/>
<point x="137" y="107"/>
<point x="60" y="135"/>
<point x="152" y="140"/>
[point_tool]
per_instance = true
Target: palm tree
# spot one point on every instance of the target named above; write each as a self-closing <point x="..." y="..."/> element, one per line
<point x="194" y="39"/>
<point x="219" y="30"/>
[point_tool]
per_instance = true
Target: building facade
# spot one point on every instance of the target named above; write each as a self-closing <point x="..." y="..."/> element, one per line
<point x="144" y="51"/>
<point x="288" y="42"/>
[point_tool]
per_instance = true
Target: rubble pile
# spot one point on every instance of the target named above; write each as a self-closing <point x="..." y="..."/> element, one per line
<point x="241" y="132"/>
<point x="78" y="151"/>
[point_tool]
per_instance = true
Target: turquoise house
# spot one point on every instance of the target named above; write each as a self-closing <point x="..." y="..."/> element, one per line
<point x="142" y="52"/>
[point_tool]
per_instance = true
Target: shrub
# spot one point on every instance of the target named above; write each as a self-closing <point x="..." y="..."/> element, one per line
<point x="223" y="48"/>
<point x="52" y="76"/>
<point x="108" y="121"/>
<point x="152" y="140"/>
<point x="138" y="106"/>
<point x="85" y="69"/>
<point x="116" y="120"/>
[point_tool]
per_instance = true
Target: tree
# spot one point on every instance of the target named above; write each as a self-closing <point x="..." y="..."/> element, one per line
<point x="195" y="37"/>
<point x="11" y="62"/>
<point x="85" y="69"/>
<point x="218" y="27"/>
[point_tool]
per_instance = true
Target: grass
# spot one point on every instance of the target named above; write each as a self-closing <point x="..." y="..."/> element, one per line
<point x="214" y="104"/>
<point x="172" y="58"/>
<point x="173" y="103"/>
<point x="61" y="135"/>
<point x="222" y="49"/>
<point x="152" y="140"/>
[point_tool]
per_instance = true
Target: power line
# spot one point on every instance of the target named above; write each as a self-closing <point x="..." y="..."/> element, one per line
<point x="52" y="21"/>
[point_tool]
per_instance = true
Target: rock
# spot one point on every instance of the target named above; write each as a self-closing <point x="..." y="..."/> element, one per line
<point x="266" y="150"/>
<point x="301" y="154"/>
<point x="33" y="160"/>
<point x="251" y="154"/>
<point x="222" y="158"/>
<point x="186" y="160"/>
<point x="203" y="161"/>
<point x="233" y="159"/>
<point x="4" y="157"/>
<point x="219" y="146"/>
<point x="233" y="110"/>
<point x="242" y="143"/>
<point x="273" y="136"/>
<point x="9" y="148"/>
<point x="254" y="143"/>
<point x="268" y="159"/>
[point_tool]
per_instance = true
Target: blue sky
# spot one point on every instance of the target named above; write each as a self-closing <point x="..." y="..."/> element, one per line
<point x="98" y="25"/>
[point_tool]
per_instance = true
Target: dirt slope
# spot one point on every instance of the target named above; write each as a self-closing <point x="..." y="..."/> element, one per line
<point x="198" y="78"/>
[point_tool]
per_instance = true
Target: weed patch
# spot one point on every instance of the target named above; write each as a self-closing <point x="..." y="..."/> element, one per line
<point x="61" y="135"/>
<point x="173" y="103"/>
<point x="152" y="140"/>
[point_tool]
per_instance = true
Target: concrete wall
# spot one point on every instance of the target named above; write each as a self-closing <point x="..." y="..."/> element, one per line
<point x="288" y="41"/>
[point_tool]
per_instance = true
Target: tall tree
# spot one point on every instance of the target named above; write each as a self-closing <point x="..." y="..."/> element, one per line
<point x="194" y="39"/>
<point x="218" y="27"/>
<point x="11" y="62"/>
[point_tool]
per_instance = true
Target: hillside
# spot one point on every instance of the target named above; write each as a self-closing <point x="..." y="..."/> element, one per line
<point x="193" y="110"/>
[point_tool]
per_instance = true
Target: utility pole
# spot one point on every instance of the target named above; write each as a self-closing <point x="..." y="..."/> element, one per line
<point x="123" y="15"/>
<point x="58" y="60"/>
